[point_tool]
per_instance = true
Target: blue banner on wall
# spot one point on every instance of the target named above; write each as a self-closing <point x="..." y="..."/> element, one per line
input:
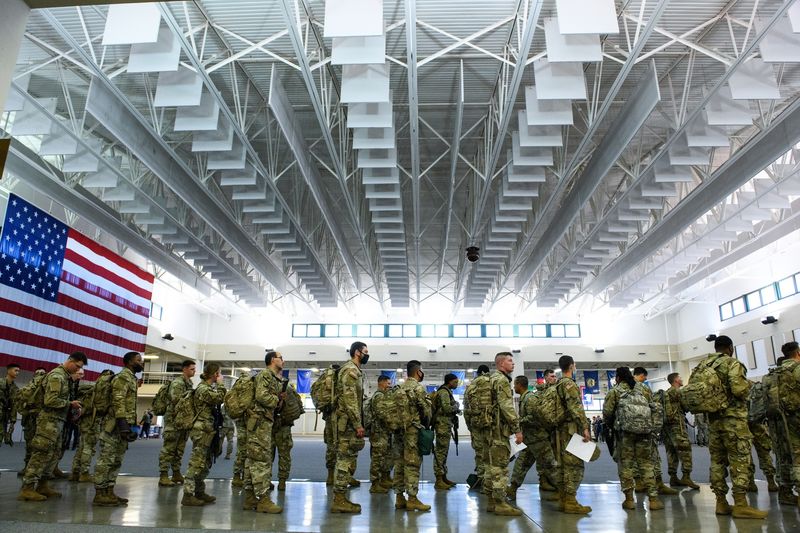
<point x="431" y="388"/>
<point x="285" y="374"/>
<point x="304" y="381"/>
<point x="612" y="376"/>
<point x="460" y="374"/>
<point x="391" y="374"/>
<point x="591" y="379"/>
<point x="539" y="377"/>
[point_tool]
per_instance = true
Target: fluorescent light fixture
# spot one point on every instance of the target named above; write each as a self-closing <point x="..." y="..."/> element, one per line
<point x="149" y="357"/>
<point x="315" y="370"/>
<point x="245" y="368"/>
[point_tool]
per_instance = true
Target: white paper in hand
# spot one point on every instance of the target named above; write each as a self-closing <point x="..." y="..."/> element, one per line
<point x="581" y="450"/>
<point x="515" y="448"/>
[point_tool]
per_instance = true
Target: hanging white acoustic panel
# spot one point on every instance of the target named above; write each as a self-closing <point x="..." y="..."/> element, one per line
<point x="699" y="133"/>
<point x="365" y="83"/>
<point x="183" y="87"/>
<point x="359" y="50"/>
<point x="754" y="80"/>
<point x="161" y="56"/>
<point x="15" y="100"/>
<point x="84" y="159"/>
<point x="353" y="18"/>
<point x="587" y="16"/>
<point x="538" y="135"/>
<point x="131" y="24"/>
<point x="562" y="47"/>
<point x="780" y="44"/>
<point x="680" y="153"/>
<point x="373" y="138"/>
<point x="546" y="112"/>
<point x="30" y="121"/>
<point x="370" y="115"/>
<point x="794" y="16"/>
<point x="377" y="158"/>
<point x="59" y="142"/>
<point x="201" y="117"/>
<point x="559" y="81"/>
<point x="219" y="140"/>
<point x="723" y="110"/>
<point x="246" y="176"/>
<point x="232" y="160"/>
<point x="533" y="155"/>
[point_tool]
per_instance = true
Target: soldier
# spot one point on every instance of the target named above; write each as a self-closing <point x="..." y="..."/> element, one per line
<point x="763" y="445"/>
<point x="282" y="443"/>
<point x="632" y="449"/>
<point x="117" y="431"/>
<point x="444" y="408"/>
<point x="477" y="436"/>
<point x="328" y="436"/>
<point x="29" y="415"/>
<point x="8" y="404"/>
<point x="640" y="376"/>
<point x="536" y="438"/>
<point x="380" y="438"/>
<point x="348" y="425"/>
<point x="226" y="432"/>
<point x="569" y="470"/>
<point x="791" y="419"/>
<point x="504" y="423"/>
<point x="50" y="422"/>
<point x="260" y="419"/>
<point x="676" y="438"/>
<point x="730" y="439"/>
<point x="90" y="427"/>
<point x="174" y="439"/>
<point x="206" y="440"/>
<point x="241" y="448"/>
<point x="701" y="429"/>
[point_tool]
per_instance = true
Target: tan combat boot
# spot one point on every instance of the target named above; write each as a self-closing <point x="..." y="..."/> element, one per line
<point x="237" y="480"/>
<point x="506" y="509"/>
<point x="413" y="504"/>
<point x="742" y="509"/>
<point x="655" y="503"/>
<point x="491" y="505"/>
<point x="663" y="489"/>
<point x="511" y="492"/>
<point x="250" y="501"/>
<point x="571" y="505"/>
<point x="353" y="482"/>
<point x="190" y="500"/>
<point x="59" y="474"/>
<point x="386" y="482"/>
<point x="120" y="499"/>
<point x="207" y="498"/>
<point x="549" y="496"/>
<point x="675" y="481"/>
<point x="329" y="481"/>
<point x="639" y="487"/>
<point x="400" y="501"/>
<point x="786" y="496"/>
<point x="771" y="485"/>
<point x="265" y="505"/>
<point x="441" y="485"/>
<point x="104" y="498"/>
<point x="177" y="477"/>
<point x="85" y="477"/>
<point x="342" y="505"/>
<point x="451" y="483"/>
<point x="377" y="488"/>
<point x="281" y="485"/>
<point x="45" y="490"/>
<point x="629" y="502"/>
<point x="164" y="480"/>
<point x="28" y="494"/>
<point x="722" y="508"/>
<point x="545" y="485"/>
<point x="686" y="481"/>
<point x="561" y="499"/>
<point x="74" y="476"/>
<point x="752" y="487"/>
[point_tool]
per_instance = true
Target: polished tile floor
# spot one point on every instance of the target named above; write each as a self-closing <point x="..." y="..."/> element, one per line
<point x="306" y="509"/>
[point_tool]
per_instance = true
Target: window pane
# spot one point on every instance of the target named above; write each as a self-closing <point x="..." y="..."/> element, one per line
<point x="738" y="306"/>
<point x="409" y="330"/>
<point x="427" y="330"/>
<point x="726" y="311"/>
<point x="345" y="330"/>
<point x="459" y="330"/>
<point x="376" y="330"/>
<point x="442" y="330"/>
<point x="474" y="330"/>
<point x="556" y="330"/>
<point x="786" y="287"/>
<point x="314" y="330"/>
<point x="362" y="330"/>
<point x="507" y="330"/>
<point x="573" y="330"/>
<point x="524" y="330"/>
<point x="753" y="300"/>
<point x="768" y="294"/>
<point x="332" y="330"/>
<point x="539" y="331"/>
<point x="492" y="330"/>
<point x="395" y="330"/>
<point x="299" y="330"/>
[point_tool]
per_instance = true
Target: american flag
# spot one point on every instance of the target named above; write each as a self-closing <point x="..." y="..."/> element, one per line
<point x="60" y="292"/>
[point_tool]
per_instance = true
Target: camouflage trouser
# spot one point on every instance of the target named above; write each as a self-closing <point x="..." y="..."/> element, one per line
<point x="793" y="423"/>
<point x="783" y="453"/>
<point x="763" y="445"/>
<point x="477" y="439"/>
<point x="282" y="442"/>
<point x="679" y="449"/>
<point x="538" y="452"/>
<point x="109" y="459"/>
<point x="496" y="455"/>
<point x="347" y="448"/>
<point x="28" y="432"/>
<point x="241" y="443"/>
<point x="729" y="445"/>
<point x="226" y="434"/>
<point x="258" y="467"/>
<point x="379" y="454"/>
<point x="702" y="435"/>
<point x="408" y="462"/>
<point x="45" y="449"/>
<point x="569" y="470"/>
<point x="199" y="461"/>
<point x="330" y="444"/>
<point x="87" y="444"/>
<point x="172" y="449"/>
<point x="634" y="456"/>
<point x="444" y="432"/>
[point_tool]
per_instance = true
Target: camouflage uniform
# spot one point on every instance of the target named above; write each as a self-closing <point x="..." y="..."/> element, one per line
<point x="29" y="416"/>
<point x="207" y="398"/>
<point x="730" y="440"/>
<point x="701" y="429"/>
<point x="258" y="466"/>
<point x="633" y="452"/>
<point x="329" y="437"/>
<point x="763" y="445"/>
<point x="174" y="439"/>
<point x="347" y="417"/>
<point x="241" y="443"/>
<point x="8" y="409"/>
<point x="227" y="432"/>
<point x="504" y="423"/>
<point x="46" y="443"/>
<point x="569" y="470"/>
<point x="380" y="440"/>
<point x="91" y="426"/>
<point x="283" y="443"/>
<point x="676" y="437"/>
<point x="409" y="461"/>
<point x="112" y="444"/>
<point x="446" y="408"/>
<point x="478" y="437"/>
<point x="537" y="439"/>
<point x="793" y="427"/>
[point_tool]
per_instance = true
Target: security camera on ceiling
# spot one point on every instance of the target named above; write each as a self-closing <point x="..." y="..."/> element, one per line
<point x="473" y="254"/>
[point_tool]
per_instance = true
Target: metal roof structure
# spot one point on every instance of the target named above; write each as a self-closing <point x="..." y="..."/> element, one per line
<point x="604" y="148"/>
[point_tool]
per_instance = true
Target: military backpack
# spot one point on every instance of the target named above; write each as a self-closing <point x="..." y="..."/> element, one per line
<point x="784" y="391"/>
<point x="102" y="394"/>
<point x="659" y="409"/>
<point x="185" y="412"/>
<point x="548" y="407"/>
<point x="759" y="401"/>
<point x="241" y="397"/>
<point x="387" y="414"/>
<point x="292" y="407"/>
<point x="634" y="414"/>
<point x="31" y="396"/>
<point x="161" y="400"/>
<point x="705" y="392"/>
<point x="480" y="402"/>
<point x="323" y="390"/>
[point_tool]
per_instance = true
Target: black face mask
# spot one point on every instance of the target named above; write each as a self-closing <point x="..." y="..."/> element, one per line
<point x="364" y="358"/>
<point x="421" y="376"/>
<point x="137" y="368"/>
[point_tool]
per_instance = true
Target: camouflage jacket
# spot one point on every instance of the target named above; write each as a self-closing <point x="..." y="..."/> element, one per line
<point x="56" y="393"/>
<point x="419" y="404"/>
<point x="123" y="399"/>
<point x="505" y="415"/>
<point x="8" y="401"/>
<point x="445" y="406"/>
<point x="734" y="379"/>
<point x="177" y="389"/>
<point x="206" y="398"/>
<point x="350" y="395"/>
<point x="378" y="404"/>
<point x="570" y="395"/>
<point x="612" y="399"/>
<point x="526" y="418"/>
<point x="673" y="412"/>
<point x="267" y="389"/>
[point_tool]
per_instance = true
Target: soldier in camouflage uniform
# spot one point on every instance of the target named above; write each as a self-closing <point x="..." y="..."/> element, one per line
<point x="701" y="429"/>
<point x="570" y="468"/>
<point x="117" y="431"/>
<point x="329" y="437"/>
<point x="29" y="415"/>
<point x="640" y="375"/>
<point x="348" y="425"/>
<point x="409" y="461"/>
<point x="791" y="352"/>
<point x="730" y="440"/>
<point x="632" y="451"/>
<point x="536" y="438"/>
<point x="46" y="442"/>
<point x="208" y="397"/>
<point x="8" y="404"/>
<point x="444" y="407"/>
<point x="762" y="442"/>
<point x="477" y="436"/>
<point x="174" y="439"/>
<point x="226" y="433"/>
<point x="241" y="449"/>
<point x="258" y="467"/>
<point x="90" y="427"/>
<point x="282" y="443"/>
<point x="380" y="441"/>
<point x="676" y="437"/>
<point x="505" y="422"/>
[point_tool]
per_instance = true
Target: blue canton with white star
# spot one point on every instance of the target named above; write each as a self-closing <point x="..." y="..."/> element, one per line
<point x="32" y="247"/>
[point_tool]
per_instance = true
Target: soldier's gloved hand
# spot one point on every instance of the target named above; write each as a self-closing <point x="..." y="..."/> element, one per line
<point x="124" y="429"/>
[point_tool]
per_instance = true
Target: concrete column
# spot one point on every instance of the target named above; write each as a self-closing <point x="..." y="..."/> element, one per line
<point x="13" y="20"/>
<point x="519" y="367"/>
